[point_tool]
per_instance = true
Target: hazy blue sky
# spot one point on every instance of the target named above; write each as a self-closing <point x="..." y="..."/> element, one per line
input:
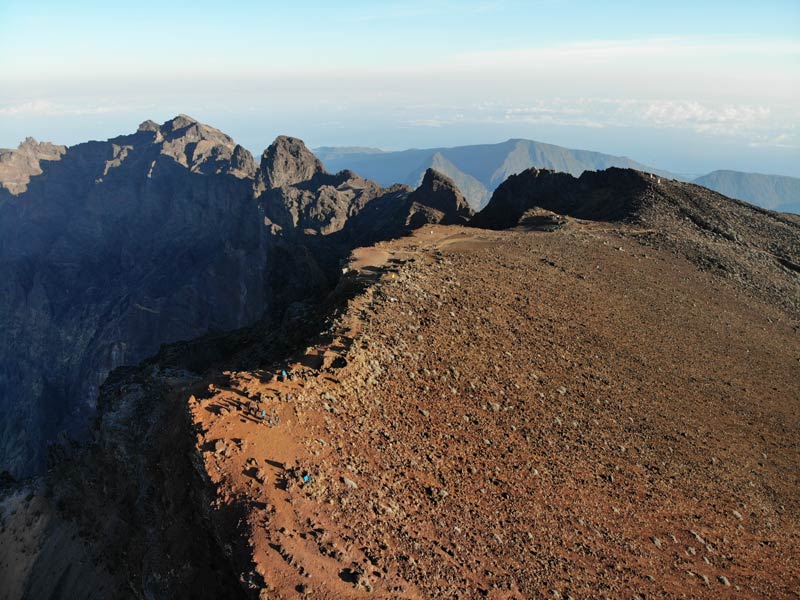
<point x="687" y="86"/>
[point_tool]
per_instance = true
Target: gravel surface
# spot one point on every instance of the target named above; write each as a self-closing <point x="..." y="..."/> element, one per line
<point x="518" y="414"/>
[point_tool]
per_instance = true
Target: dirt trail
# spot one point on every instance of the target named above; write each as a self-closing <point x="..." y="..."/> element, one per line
<point x="515" y="415"/>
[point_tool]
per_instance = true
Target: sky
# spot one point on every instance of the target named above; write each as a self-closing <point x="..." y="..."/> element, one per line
<point x="684" y="86"/>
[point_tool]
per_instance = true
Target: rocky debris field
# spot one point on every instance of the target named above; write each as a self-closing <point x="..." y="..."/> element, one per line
<point x="564" y="413"/>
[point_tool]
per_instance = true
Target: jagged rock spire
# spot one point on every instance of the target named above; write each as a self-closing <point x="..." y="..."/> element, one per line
<point x="440" y="193"/>
<point x="287" y="161"/>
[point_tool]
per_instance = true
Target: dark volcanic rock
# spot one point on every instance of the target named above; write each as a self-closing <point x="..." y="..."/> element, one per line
<point x="299" y="196"/>
<point x="398" y="211"/>
<point x="118" y="247"/>
<point x="610" y="195"/>
<point x="114" y="249"/>
<point x="321" y="205"/>
<point x="202" y="149"/>
<point x="287" y="162"/>
<point x="738" y="240"/>
<point x="319" y="217"/>
<point x="313" y="218"/>
<point x="439" y="200"/>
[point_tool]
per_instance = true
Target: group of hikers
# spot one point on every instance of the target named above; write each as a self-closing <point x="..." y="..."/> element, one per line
<point x="284" y="376"/>
<point x="254" y="406"/>
<point x="255" y="410"/>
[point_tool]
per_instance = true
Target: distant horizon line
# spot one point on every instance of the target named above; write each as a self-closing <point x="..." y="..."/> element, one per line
<point x="360" y="149"/>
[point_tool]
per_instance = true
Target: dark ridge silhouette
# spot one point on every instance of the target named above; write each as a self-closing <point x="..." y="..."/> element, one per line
<point x="731" y="237"/>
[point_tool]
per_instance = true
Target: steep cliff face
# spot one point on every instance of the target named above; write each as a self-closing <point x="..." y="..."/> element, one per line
<point x="317" y="217"/>
<point x="114" y="249"/>
<point x="117" y="247"/>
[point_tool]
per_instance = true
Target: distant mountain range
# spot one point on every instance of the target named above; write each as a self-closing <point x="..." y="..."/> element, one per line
<point x="775" y="192"/>
<point x="479" y="169"/>
<point x="476" y="170"/>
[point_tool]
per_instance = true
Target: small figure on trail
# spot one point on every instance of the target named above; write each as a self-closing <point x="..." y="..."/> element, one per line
<point x="283" y="374"/>
<point x="274" y="419"/>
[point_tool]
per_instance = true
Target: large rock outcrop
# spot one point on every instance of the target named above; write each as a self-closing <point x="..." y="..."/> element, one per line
<point x="287" y="162"/>
<point x="610" y="195"/>
<point x="438" y="200"/>
<point x="114" y="249"/>
<point x="18" y="166"/>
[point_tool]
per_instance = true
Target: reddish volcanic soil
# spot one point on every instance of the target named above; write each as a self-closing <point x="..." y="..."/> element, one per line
<point x="519" y="414"/>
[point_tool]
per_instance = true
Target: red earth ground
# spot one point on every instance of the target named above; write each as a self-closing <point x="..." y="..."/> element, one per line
<point x="519" y="414"/>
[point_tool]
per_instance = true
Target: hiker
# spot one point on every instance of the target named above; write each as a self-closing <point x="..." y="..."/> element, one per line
<point x="283" y="374"/>
<point x="274" y="419"/>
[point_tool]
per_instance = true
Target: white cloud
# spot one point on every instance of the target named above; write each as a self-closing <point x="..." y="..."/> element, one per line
<point x="756" y="125"/>
<point x="604" y="51"/>
<point x="49" y="108"/>
<point x="745" y="89"/>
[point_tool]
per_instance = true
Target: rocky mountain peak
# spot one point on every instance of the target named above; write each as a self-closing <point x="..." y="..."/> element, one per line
<point x="613" y="194"/>
<point x="202" y="148"/>
<point x="187" y="129"/>
<point x="180" y="122"/>
<point x="148" y="125"/>
<point x="28" y="142"/>
<point x="288" y="161"/>
<point x="440" y="193"/>
<point x="18" y="166"/>
<point x="44" y="150"/>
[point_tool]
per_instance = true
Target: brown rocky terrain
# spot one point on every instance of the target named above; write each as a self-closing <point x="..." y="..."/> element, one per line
<point x="519" y="414"/>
